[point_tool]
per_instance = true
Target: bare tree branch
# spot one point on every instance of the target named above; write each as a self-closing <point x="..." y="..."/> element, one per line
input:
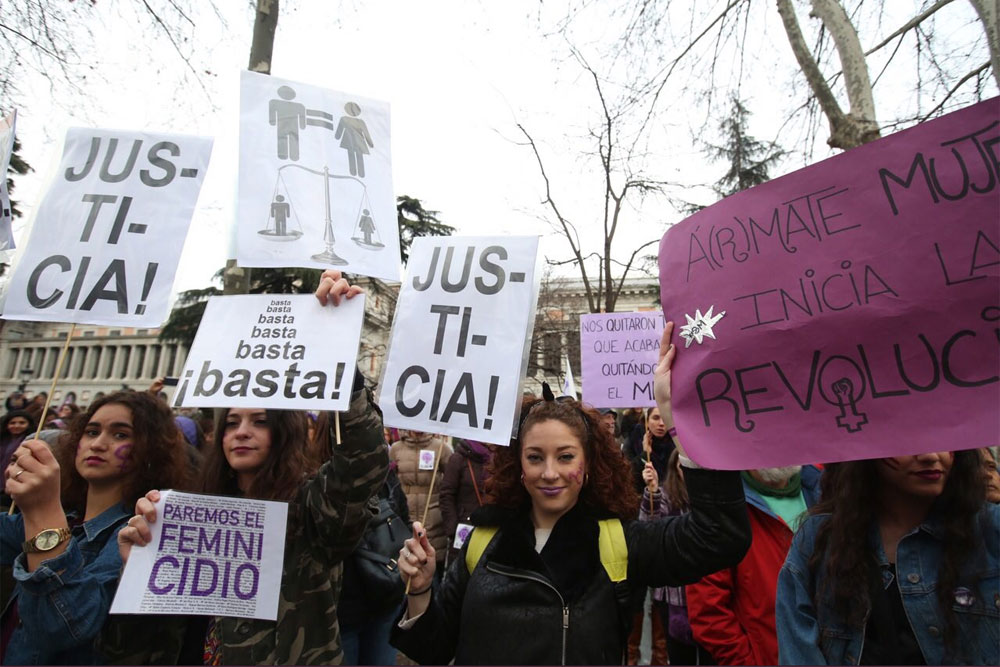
<point x="170" y="36"/>
<point x="976" y="72"/>
<point x="909" y="25"/>
<point x="664" y="77"/>
<point x="33" y="42"/>
<point x="989" y="16"/>
<point x="555" y="209"/>
<point x="628" y="265"/>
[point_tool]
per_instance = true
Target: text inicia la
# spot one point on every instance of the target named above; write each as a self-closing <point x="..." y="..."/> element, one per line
<point x="814" y="295"/>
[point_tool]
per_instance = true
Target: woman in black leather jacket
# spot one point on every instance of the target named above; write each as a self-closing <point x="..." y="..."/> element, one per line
<point x="547" y="588"/>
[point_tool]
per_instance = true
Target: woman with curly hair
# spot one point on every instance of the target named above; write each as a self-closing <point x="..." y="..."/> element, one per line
<point x="896" y="565"/>
<point x="73" y="504"/>
<point x="563" y="556"/>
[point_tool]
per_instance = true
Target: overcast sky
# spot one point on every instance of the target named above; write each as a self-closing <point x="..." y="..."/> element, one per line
<point x="458" y="75"/>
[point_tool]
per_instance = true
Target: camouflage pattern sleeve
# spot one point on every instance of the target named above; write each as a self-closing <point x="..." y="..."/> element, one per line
<point x="334" y="504"/>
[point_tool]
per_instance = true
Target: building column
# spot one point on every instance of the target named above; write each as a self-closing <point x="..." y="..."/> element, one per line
<point x="126" y="361"/>
<point x="122" y="360"/>
<point x="179" y="360"/>
<point x="72" y="354"/>
<point x="38" y="363"/>
<point x="166" y="360"/>
<point x="12" y="357"/>
<point x="152" y="361"/>
<point x="135" y="361"/>
<point x="68" y="362"/>
<point x="108" y="362"/>
<point x="52" y="361"/>
<point x="79" y="361"/>
<point x="93" y="362"/>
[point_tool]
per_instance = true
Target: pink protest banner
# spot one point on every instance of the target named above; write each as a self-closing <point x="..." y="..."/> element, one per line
<point x="847" y="310"/>
<point x="618" y="352"/>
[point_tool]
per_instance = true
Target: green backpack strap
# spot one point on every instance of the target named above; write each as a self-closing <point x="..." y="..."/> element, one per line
<point x="478" y="541"/>
<point x="614" y="549"/>
<point x="611" y="543"/>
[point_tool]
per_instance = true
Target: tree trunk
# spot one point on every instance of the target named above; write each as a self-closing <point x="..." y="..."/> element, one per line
<point x="264" y="26"/>
<point x="852" y="60"/>
<point x="235" y="279"/>
<point x="989" y="15"/>
<point x="858" y="126"/>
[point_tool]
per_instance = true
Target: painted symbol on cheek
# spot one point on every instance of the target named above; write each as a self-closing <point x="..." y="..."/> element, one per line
<point x="892" y="463"/>
<point x="124" y="454"/>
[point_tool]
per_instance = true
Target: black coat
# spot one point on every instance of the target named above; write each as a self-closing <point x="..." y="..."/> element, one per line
<point x="560" y="607"/>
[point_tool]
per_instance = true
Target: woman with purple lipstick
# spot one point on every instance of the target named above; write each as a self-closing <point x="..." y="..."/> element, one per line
<point x="556" y="557"/>
<point x="73" y="503"/>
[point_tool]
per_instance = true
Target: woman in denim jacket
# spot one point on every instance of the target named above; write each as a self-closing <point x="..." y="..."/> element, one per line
<point x="62" y="545"/>
<point x="898" y="564"/>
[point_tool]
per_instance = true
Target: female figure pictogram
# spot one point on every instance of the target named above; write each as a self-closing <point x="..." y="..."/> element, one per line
<point x="354" y="137"/>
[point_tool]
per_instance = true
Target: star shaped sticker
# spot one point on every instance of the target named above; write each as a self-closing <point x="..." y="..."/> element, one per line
<point x="700" y="326"/>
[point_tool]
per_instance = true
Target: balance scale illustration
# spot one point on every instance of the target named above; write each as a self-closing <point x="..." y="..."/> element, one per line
<point x="366" y="234"/>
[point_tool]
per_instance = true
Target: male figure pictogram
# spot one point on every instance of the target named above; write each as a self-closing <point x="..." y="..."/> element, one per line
<point x="288" y="117"/>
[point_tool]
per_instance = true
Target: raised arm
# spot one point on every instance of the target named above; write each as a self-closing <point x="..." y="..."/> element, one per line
<point x="430" y="635"/>
<point x="335" y="507"/>
<point x="715" y="534"/>
<point x="334" y="503"/>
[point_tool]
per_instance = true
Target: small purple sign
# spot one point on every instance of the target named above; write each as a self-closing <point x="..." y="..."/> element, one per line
<point x="845" y="311"/>
<point x="618" y="355"/>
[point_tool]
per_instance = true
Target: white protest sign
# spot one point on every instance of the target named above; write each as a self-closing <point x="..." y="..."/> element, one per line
<point x="109" y="232"/>
<point x="457" y="355"/>
<point x="315" y="182"/>
<point x="209" y="556"/>
<point x="282" y="351"/>
<point x="7" y="129"/>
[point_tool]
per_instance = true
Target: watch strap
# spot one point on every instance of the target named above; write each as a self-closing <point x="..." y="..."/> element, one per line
<point x="30" y="546"/>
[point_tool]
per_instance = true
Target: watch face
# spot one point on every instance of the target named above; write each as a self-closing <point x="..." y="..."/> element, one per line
<point x="47" y="539"/>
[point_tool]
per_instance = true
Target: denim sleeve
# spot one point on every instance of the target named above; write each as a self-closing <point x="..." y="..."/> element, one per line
<point x="794" y="611"/>
<point x="11" y="537"/>
<point x="65" y="601"/>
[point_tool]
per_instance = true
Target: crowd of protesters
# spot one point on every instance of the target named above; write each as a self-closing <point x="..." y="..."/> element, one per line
<point x="554" y="550"/>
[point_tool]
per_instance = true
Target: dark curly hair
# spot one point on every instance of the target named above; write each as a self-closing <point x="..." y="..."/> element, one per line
<point x="158" y="455"/>
<point x="850" y="491"/>
<point x="287" y="465"/>
<point x="609" y="484"/>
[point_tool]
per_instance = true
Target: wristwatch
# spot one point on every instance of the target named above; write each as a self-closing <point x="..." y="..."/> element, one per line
<point x="47" y="540"/>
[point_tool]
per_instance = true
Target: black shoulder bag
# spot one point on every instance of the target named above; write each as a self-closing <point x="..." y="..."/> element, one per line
<point x="375" y="559"/>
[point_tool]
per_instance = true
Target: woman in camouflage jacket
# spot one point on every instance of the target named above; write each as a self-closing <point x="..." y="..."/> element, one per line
<point x="263" y="454"/>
